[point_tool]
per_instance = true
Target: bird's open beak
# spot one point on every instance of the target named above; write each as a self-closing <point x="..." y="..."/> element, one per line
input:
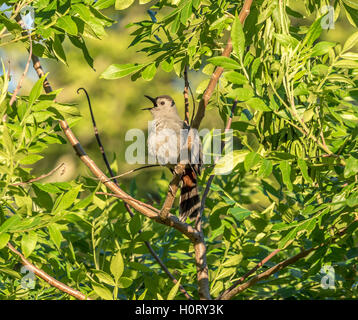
<point x="153" y="101"/>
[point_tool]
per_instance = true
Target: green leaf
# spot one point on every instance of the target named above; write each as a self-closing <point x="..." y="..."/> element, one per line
<point x="348" y="64"/>
<point x="47" y="187"/>
<point x="257" y="104"/>
<point x="303" y="166"/>
<point x="229" y="161"/>
<point x="313" y="33"/>
<point x="36" y="90"/>
<point x="167" y="65"/>
<point x="351" y="167"/>
<point x="225" y="62"/>
<point x="265" y="168"/>
<point x="352" y="201"/>
<point x="80" y="43"/>
<point x="125" y="282"/>
<point x="251" y="160"/>
<point x="103" y="4"/>
<point x="233" y="260"/>
<point x="67" y="199"/>
<point x="351" y="3"/>
<point x="321" y="48"/>
<point x="235" y="77"/>
<point x="82" y="11"/>
<point x="241" y="94"/>
<point x="123" y="4"/>
<point x="350" y="56"/>
<point x="104" y="277"/>
<point x="351" y="42"/>
<point x="142" y="296"/>
<point x="318" y="70"/>
<point x="116" y="71"/>
<point x="102" y="291"/>
<point x="58" y="49"/>
<point x="66" y="23"/>
<point x="173" y="291"/>
<point x="286" y="240"/>
<point x="28" y="242"/>
<point x="7" y="140"/>
<point x="30" y="159"/>
<point x="238" y="38"/>
<point x="145" y="235"/>
<point x="4" y="239"/>
<point x="239" y="213"/>
<point x="285" y="168"/>
<point x="286" y="40"/>
<point x="149" y="72"/>
<point x="117" y="266"/>
<point x="10" y="223"/>
<point x="352" y="15"/>
<point x="55" y="234"/>
<point x="175" y="25"/>
<point x="135" y="224"/>
<point x="186" y="12"/>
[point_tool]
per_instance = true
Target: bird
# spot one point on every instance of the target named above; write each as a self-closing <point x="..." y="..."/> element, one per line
<point x="170" y="141"/>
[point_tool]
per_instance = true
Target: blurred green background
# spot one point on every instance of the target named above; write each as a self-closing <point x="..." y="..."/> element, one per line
<point x="117" y="103"/>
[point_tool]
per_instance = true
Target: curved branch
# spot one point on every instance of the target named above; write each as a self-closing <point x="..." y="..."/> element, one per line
<point x="50" y="280"/>
<point x="235" y="289"/>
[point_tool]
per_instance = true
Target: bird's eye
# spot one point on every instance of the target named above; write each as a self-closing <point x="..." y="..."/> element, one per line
<point x="162" y="103"/>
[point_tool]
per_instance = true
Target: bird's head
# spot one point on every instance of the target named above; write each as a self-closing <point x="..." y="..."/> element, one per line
<point x="161" y="105"/>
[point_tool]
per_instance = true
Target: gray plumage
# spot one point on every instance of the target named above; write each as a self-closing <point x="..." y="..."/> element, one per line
<point x="168" y="142"/>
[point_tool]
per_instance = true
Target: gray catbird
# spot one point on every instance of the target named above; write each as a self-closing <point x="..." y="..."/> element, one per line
<point x="172" y="141"/>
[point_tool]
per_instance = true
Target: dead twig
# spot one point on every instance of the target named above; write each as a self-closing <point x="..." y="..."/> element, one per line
<point x="134" y="170"/>
<point x="19" y="84"/>
<point x="40" y="177"/>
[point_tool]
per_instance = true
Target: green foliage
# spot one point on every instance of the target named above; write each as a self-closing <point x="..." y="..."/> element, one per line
<point x="294" y="183"/>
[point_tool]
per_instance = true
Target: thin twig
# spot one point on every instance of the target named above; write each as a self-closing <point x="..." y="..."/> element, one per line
<point x="166" y="270"/>
<point x="50" y="280"/>
<point x="19" y="84"/>
<point x="101" y="148"/>
<point x="40" y="177"/>
<point x="232" y="291"/>
<point x="134" y="170"/>
<point x="250" y="272"/>
<point x="128" y="198"/>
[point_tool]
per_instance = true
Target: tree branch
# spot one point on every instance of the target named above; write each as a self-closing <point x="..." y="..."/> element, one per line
<point x="19" y="84"/>
<point x="40" y="177"/>
<point x="218" y="71"/>
<point x="50" y="280"/>
<point x="172" y="190"/>
<point x="199" y="245"/>
<point x="234" y="290"/>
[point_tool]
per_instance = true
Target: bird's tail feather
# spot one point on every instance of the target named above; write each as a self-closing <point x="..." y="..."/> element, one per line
<point x="189" y="196"/>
